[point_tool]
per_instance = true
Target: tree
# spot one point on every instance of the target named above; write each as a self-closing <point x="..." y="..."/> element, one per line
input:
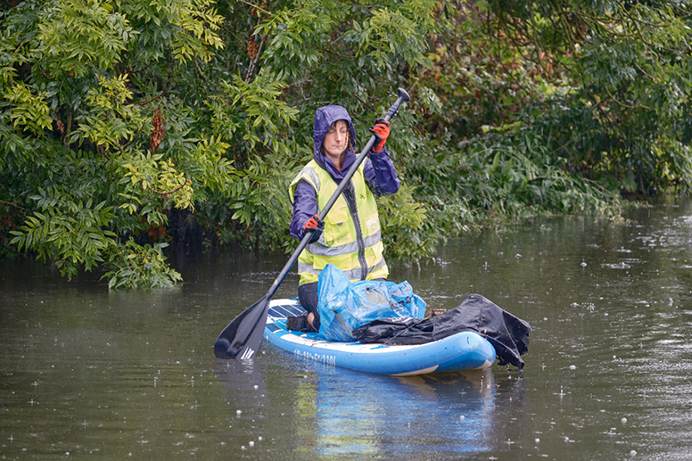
<point x="82" y="83"/>
<point x="624" y="68"/>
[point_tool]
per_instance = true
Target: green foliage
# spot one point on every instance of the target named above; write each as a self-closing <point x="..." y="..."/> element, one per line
<point x="77" y="36"/>
<point x="391" y="35"/>
<point x="111" y="120"/>
<point x="261" y="203"/>
<point x="69" y="231"/>
<point x="480" y="80"/>
<point x="127" y="125"/>
<point x="407" y="233"/>
<point x="516" y="175"/>
<point x="26" y="110"/>
<point x="141" y="266"/>
<point x="253" y="111"/>
<point x="96" y="169"/>
<point x="628" y="68"/>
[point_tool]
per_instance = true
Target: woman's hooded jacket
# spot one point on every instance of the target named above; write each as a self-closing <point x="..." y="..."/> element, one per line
<point x="380" y="174"/>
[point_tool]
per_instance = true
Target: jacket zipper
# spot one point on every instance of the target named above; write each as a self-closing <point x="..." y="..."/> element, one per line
<point x="350" y="197"/>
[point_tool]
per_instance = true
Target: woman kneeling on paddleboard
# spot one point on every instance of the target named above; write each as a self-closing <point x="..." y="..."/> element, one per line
<point x="350" y="236"/>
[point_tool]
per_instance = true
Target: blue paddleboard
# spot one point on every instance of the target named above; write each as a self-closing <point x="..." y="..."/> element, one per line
<point x="463" y="351"/>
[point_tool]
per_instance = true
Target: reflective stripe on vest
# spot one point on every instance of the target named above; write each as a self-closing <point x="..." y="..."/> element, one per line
<point x="321" y="250"/>
<point x="353" y="275"/>
<point x="351" y="243"/>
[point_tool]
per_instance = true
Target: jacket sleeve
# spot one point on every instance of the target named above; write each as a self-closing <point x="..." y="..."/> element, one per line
<point x="380" y="173"/>
<point x="304" y="208"/>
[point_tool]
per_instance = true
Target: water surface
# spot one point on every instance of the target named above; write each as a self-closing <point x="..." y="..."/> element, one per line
<point x="88" y="373"/>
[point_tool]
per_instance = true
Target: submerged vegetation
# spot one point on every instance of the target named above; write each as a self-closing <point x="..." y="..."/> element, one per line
<point x="129" y="125"/>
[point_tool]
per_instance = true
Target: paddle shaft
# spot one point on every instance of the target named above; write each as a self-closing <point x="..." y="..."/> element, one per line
<point x="391" y="113"/>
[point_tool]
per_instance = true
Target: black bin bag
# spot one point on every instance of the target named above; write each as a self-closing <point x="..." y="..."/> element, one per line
<point x="508" y="334"/>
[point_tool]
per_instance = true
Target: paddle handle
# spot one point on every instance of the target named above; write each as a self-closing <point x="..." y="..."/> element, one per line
<point x="391" y="113"/>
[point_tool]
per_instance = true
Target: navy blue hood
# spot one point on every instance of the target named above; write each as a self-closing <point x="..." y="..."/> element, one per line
<point x="324" y="117"/>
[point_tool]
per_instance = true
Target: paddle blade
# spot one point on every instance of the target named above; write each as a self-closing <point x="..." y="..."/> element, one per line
<point x="242" y="337"/>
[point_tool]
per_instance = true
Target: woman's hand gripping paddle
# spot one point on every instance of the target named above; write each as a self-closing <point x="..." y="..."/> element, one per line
<point x="242" y="337"/>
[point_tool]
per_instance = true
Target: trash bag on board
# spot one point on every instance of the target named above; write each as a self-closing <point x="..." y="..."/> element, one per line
<point x="508" y="334"/>
<point x="344" y="306"/>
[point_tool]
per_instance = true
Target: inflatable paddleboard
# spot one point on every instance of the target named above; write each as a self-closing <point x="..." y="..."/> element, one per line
<point x="463" y="351"/>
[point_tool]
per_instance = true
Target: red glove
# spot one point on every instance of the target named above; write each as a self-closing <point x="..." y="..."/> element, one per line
<point x="314" y="225"/>
<point x="381" y="132"/>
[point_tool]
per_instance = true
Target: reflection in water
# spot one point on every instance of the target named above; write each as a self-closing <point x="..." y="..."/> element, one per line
<point x="334" y="412"/>
<point x="373" y="416"/>
<point x="383" y="416"/>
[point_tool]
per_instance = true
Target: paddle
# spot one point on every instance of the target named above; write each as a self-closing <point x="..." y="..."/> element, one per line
<point x="241" y="338"/>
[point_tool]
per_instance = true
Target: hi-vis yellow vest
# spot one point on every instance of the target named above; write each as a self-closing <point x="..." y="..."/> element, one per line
<point x="351" y="240"/>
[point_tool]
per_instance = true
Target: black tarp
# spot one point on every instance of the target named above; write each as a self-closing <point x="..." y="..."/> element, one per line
<point x="508" y="334"/>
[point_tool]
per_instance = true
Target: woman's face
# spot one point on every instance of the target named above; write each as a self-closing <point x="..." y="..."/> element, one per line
<point x="336" y="141"/>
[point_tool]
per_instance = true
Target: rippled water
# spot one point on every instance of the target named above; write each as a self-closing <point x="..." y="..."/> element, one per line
<point x="129" y="375"/>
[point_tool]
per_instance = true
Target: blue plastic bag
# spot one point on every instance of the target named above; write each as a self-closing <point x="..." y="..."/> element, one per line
<point x="344" y="306"/>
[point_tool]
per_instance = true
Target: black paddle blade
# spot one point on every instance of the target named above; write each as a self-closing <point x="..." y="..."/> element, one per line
<point x="242" y="337"/>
